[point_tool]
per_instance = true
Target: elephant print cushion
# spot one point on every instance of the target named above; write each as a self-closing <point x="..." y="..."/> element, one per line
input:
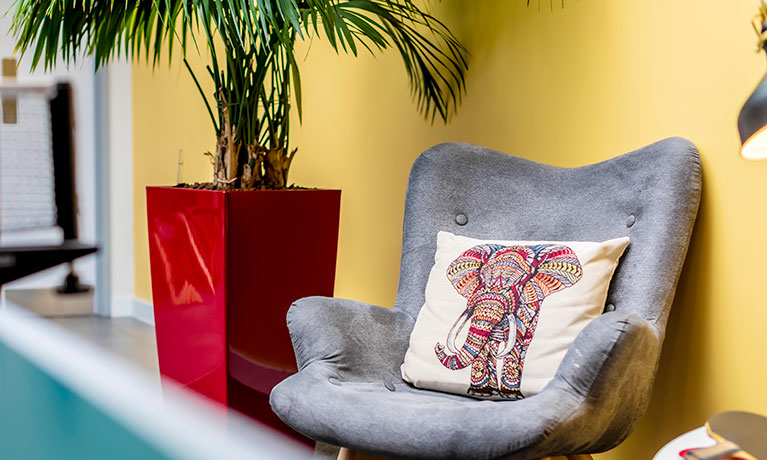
<point x="499" y="316"/>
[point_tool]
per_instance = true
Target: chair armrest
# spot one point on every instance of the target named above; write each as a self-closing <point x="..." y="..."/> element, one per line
<point x="611" y="367"/>
<point x="354" y="338"/>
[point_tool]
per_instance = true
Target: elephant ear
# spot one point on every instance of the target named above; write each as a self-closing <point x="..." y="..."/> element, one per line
<point x="557" y="268"/>
<point x="463" y="272"/>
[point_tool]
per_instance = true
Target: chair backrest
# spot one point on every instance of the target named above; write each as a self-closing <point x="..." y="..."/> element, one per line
<point x="37" y="183"/>
<point x="650" y="195"/>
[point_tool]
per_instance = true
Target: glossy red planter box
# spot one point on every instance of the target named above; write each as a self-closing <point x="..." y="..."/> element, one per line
<point x="225" y="268"/>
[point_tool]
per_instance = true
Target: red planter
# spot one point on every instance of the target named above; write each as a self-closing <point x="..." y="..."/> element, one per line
<point x="225" y="268"/>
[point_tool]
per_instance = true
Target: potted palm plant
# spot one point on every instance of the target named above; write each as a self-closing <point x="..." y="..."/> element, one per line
<point x="230" y="256"/>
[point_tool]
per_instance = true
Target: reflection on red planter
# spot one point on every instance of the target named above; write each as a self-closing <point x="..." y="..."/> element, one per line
<point x="225" y="268"/>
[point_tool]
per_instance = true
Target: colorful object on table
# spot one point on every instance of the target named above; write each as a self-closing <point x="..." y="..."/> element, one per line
<point x="220" y="295"/>
<point x="686" y="451"/>
<point x="738" y="433"/>
<point x="681" y="444"/>
<point x="504" y="287"/>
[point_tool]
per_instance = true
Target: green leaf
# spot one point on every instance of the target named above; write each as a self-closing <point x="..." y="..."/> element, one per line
<point x="297" y="87"/>
<point x="249" y="45"/>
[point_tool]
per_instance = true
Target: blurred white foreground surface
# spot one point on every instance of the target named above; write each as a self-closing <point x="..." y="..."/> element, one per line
<point x="64" y="398"/>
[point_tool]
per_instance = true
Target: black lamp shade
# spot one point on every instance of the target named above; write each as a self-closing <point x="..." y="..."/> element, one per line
<point x="752" y="124"/>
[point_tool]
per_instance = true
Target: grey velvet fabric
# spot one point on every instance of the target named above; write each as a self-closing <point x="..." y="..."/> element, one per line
<point x="348" y="390"/>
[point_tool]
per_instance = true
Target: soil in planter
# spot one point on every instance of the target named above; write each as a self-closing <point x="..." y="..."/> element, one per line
<point x="231" y="187"/>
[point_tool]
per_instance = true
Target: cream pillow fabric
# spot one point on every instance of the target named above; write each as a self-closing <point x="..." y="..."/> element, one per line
<point x="499" y="316"/>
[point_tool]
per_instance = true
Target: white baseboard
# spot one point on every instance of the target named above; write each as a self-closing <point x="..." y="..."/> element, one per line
<point x="131" y="307"/>
<point x="122" y="306"/>
<point x="142" y="311"/>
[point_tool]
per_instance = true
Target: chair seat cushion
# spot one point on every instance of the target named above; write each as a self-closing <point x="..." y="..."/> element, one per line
<point x="429" y="424"/>
<point x="499" y="316"/>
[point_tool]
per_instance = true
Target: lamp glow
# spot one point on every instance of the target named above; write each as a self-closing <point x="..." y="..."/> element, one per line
<point x="755" y="147"/>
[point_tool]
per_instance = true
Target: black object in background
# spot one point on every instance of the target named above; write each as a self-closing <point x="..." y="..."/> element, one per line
<point x="16" y="261"/>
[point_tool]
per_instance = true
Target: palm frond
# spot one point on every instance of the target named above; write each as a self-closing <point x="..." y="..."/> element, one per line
<point x="250" y="46"/>
<point x="434" y="59"/>
<point x="103" y="29"/>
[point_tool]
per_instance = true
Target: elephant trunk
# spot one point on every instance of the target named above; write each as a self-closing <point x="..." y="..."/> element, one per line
<point x="454" y="358"/>
<point x="463" y="358"/>
<point x="484" y="316"/>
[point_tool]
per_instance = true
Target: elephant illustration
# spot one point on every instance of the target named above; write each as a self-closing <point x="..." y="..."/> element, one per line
<point x="504" y="287"/>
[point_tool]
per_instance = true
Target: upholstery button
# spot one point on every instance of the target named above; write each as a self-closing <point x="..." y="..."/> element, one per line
<point x="389" y="386"/>
<point x="610" y="307"/>
<point x="630" y="221"/>
<point x="334" y="381"/>
<point x="461" y="219"/>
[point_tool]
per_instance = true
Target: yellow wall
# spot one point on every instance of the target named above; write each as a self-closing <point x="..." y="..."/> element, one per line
<point x="567" y="87"/>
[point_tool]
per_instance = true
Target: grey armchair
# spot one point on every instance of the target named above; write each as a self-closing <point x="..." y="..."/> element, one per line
<point x="348" y="390"/>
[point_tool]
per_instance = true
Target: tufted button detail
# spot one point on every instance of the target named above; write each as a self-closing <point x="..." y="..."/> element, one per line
<point x="389" y="386"/>
<point x="630" y="221"/>
<point x="461" y="219"/>
<point x="334" y="381"/>
<point x="610" y="307"/>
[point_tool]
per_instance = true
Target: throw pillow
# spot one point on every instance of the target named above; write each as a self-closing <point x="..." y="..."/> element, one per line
<point x="499" y="316"/>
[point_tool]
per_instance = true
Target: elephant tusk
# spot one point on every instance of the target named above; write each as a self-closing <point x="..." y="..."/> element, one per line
<point x="508" y="346"/>
<point x="499" y="374"/>
<point x="456" y="329"/>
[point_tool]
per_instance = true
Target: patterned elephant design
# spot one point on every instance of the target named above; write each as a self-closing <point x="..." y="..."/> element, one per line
<point x="504" y="287"/>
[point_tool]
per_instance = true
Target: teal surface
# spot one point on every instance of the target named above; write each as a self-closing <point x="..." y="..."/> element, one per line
<point x="42" y="419"/>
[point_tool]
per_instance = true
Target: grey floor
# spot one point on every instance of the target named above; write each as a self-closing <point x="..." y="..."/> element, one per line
<point x="125" y="337"/>
<point x="135" y="341"/>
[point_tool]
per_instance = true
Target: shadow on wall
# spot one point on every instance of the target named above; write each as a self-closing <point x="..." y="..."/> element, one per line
<point x="465" y="24"/>
<point x="539" y="76"/>
<point x="679" y="402"/>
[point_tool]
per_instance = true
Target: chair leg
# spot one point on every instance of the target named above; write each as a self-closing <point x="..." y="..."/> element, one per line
<point x="325" y="451"/>
<point x="570" y="457"/>
<point x="348" y="454"/>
